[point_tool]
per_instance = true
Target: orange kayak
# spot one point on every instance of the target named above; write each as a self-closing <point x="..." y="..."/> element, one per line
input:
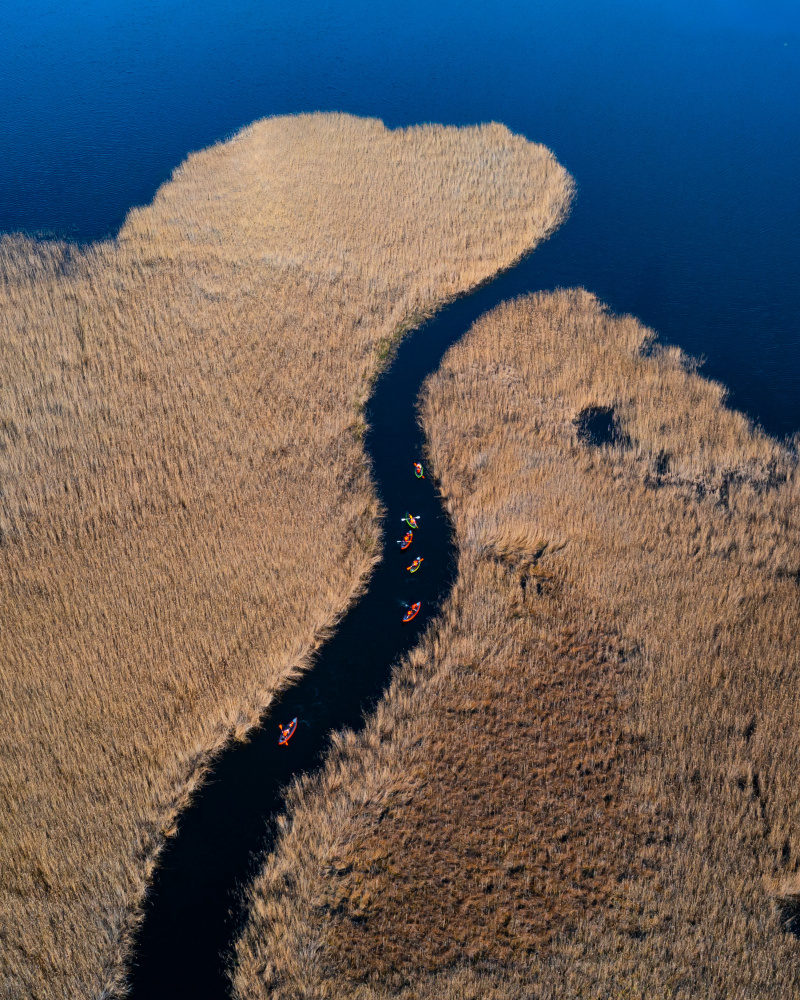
<point x="287" y="733"/>
<point x="408" y="538"/>
<point x="412" y="612"/>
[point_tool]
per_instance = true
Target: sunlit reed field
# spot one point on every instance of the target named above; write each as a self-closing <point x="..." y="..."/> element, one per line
<point x="185" y="508"/>
<point x="583" y="782"/>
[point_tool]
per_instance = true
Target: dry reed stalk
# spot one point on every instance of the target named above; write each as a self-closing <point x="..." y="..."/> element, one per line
<point x="180" y="417"/>
<point x="576" y="787"/>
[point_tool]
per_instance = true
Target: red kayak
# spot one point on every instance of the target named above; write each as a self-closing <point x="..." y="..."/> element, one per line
<point x="413" y="611"/>
<point x="287" y="733"/>
<point x="408" y="538"/>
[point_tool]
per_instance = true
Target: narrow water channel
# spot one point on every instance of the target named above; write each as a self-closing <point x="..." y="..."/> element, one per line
<point x="193" y="913"/>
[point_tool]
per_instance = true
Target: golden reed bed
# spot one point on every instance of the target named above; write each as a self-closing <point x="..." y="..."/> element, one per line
<point x="179" y="419"/>
<point x="583" y="782"/>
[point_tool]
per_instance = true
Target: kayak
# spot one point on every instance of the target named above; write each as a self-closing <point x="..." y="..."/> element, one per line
<point x="415" y="565"/>
<point x="412" y="612"/>
<point x="410" y="520"/>
<point x="287" y="733"/>
<point x="408" y="538"/>
<point x="418" y="470"/>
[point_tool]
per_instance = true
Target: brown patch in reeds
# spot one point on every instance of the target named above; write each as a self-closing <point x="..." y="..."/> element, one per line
<point x="179" y="429"/>
<point x="511" y="825"/>
<point x="673" y="562"/>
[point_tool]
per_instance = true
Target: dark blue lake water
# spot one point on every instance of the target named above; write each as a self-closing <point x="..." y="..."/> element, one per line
<point x="678" y="119"/>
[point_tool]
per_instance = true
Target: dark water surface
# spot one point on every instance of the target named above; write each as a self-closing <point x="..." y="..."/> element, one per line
<point x="680" y="124"/>
<point x="678" y="118"/>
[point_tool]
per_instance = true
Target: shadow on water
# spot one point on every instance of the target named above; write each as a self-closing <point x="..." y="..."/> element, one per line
<point x="193" y="913"/>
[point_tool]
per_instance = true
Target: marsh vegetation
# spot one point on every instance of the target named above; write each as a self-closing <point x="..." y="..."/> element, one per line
<point x="180" y="417"/>
<point x="583" y="781"/>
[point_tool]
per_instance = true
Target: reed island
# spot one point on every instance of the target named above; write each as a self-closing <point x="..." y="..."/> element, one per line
<point x="181" y="411"/>
<point x="583" y="782"/>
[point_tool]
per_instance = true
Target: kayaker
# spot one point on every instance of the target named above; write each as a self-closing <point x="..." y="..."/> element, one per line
<point x="287" y="733"/>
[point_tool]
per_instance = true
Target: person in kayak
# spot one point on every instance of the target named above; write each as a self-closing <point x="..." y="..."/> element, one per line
<point x="412" y="612"/>
<point x="418" y="470"/>
<point x="415" y="565"/>
<point x="287" y="733"/>
<point x="408" y="538"/>
<point x="410" y="519"/>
